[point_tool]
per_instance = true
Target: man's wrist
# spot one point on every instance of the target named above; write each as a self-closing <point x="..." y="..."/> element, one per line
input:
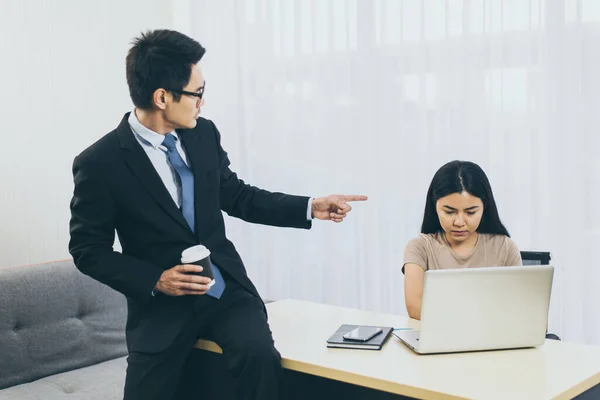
<point x="155" y="291"/>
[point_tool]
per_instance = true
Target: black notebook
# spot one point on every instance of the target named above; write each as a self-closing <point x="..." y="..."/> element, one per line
<point x="375" y="343"/>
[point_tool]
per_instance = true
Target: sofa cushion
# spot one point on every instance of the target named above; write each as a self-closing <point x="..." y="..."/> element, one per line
<point x="104" y="381"/>
<point x="56" y="319"/>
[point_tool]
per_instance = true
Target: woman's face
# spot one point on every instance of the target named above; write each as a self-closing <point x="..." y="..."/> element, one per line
<point x="460" y="215"/>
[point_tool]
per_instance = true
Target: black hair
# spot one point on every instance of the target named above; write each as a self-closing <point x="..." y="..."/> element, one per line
<point x="457" y="177"/>
<point x="160" y="59"/>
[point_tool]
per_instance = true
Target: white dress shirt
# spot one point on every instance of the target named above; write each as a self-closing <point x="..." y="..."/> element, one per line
<point x="157" y="153"/>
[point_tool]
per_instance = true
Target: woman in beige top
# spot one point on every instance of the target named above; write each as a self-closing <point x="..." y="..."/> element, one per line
<point x="461" y="229"/>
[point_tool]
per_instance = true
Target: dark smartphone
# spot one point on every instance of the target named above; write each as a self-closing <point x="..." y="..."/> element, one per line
<point x="362" y="333"/>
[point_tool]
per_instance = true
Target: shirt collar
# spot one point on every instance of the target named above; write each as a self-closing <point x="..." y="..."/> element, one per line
<point x="148" y="136"/>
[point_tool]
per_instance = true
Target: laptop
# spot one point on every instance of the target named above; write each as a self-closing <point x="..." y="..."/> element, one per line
<point x="475" y="309"/>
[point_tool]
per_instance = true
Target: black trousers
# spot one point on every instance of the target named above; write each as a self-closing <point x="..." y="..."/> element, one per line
<point x="238" y="323"/>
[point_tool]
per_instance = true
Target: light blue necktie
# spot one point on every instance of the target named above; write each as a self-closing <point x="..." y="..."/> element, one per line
<point x="186" y="180"/>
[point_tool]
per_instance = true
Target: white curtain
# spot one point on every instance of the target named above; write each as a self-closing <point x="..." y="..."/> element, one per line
<point x="372" y="97"/>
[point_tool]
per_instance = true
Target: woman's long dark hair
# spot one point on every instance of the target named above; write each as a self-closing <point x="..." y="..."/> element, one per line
<point x="458" y="177"/>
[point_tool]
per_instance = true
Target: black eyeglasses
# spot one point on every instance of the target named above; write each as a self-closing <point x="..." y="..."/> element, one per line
<point x="195" y="94"/>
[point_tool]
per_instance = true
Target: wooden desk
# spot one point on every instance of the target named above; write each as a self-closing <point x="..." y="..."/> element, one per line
<point x="556" y="370"/>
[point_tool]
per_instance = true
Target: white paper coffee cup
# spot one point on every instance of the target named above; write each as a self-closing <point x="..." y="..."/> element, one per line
<point x="199" y="255"/>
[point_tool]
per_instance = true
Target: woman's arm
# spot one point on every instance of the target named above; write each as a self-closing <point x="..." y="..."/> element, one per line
<point x="413" y="289"/>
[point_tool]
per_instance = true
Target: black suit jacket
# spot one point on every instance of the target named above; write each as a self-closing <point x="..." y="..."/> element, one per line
<point x="118" y="189"/>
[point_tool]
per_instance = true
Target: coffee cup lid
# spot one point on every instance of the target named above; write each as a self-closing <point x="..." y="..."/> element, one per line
<point x="193" y="254"/>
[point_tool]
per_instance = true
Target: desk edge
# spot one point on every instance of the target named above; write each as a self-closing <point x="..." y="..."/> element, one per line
<point x="347" y="377"/>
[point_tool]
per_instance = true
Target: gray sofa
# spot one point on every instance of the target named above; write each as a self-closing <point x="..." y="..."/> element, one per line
<point x="62" y="335"/>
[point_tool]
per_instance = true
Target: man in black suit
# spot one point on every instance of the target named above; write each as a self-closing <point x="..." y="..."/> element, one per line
<point x="160" y="180"/>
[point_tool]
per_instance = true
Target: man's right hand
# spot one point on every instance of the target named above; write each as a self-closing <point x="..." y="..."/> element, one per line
<point x="179" y="281"/>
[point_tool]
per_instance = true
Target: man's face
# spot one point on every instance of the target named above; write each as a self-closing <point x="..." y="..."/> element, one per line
<point x="183" y="114"/>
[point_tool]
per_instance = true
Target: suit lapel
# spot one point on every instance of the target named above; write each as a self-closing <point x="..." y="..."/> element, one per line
<point x="141" y="166"/>
<point x="192" y="143"/>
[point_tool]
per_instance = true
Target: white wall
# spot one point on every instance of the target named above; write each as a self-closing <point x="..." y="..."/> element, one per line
<point x="62" y="65"/>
